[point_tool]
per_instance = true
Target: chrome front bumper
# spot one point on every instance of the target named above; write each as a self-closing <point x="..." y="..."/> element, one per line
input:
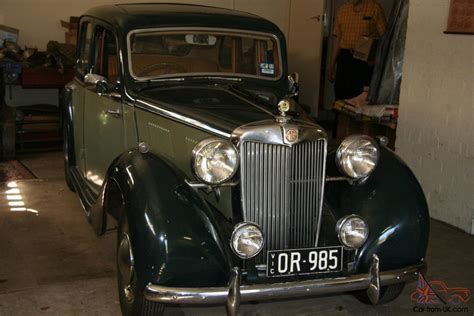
<point x="235" y="293"/>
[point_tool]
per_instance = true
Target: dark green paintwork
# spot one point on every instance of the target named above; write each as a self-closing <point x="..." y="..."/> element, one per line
<point x="178" y="239"/>
<point x="181" y="236"/>
<point x="394" y="206"/>
<point x="127" y="17"/>
<point x="216" y="106"/>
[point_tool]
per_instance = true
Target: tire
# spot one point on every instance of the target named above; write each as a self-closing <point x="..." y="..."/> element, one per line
<point x="387" y="294"/>
<point x="67" y="172"/>
<point x="132" y="300"/>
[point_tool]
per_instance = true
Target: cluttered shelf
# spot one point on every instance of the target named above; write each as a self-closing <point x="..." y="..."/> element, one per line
<point x="373" y="120"/>
<point x="30" y="81"/>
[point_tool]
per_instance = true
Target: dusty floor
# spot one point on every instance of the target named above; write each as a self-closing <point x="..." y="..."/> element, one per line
<point x="51" y="262"/>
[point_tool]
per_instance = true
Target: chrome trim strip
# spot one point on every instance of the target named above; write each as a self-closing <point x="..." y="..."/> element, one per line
<point x="260" y="292"/>
<point x="323" y="182"/>
<point x="224" y="30"/>
<point x="178" y="117"/>
<point x="333" y="179"/>
<point x="271" y="132"/>
<point x="78" y="81"/>
<point x="200" y="185"/>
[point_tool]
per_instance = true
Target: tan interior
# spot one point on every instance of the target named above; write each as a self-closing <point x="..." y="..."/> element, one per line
<point x="113" y="68"/>
<point x="141" y="62"/>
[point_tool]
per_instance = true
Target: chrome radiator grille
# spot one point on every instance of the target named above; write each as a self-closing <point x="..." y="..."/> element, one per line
<point x="282" y="188"/>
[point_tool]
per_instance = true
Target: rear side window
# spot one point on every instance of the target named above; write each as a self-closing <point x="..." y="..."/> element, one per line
<point x="85" y="41"/>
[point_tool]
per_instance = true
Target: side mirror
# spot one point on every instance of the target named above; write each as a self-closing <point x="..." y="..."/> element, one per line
<point x="293" y="84"/>
<point x="102" y="86"/>
<point x="294" y="78"/>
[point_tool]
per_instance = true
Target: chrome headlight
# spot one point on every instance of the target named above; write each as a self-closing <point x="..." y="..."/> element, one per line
<point x="246" y="240"/>
<point x="352" y="231"/>
<point x="357" y="156"/>
<point x="214" y="160"/>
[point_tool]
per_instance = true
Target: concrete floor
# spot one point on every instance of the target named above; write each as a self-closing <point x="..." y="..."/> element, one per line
<point x="51" y="262"/>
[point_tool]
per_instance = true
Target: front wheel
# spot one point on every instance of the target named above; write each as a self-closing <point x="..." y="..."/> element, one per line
<point x="132" y="301"/>
<point x="387" y="294"/>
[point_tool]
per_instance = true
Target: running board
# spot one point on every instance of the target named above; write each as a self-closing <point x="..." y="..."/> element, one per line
<point x="86" y="195"/>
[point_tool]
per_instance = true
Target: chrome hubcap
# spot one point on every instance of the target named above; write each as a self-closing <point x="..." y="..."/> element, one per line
<point x="126" y="266"/>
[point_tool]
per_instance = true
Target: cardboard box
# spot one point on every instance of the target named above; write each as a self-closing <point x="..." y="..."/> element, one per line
<point x="8" y="34"/>
<point x="72" y="24"/>
<point x="72" y="27"/>
<point x="71" y="37"/>
<point x="366" y="48"/>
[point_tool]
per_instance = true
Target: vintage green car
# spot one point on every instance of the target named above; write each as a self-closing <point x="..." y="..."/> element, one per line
<point x="182" y="129"/>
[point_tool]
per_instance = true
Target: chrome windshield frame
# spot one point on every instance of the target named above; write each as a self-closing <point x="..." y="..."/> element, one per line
<point x="203" y="74"/>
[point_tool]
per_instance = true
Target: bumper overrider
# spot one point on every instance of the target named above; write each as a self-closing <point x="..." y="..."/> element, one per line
<point x="236" y="293"/>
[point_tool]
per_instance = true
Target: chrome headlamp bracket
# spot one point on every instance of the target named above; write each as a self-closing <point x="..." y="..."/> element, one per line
<point x="208" y="188"/>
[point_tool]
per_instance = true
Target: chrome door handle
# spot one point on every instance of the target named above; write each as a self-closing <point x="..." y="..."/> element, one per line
<point x="113" y="95"/>
<point x="114" y="113"/>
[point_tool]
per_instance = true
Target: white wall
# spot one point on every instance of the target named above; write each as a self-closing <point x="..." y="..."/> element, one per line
<point x="436" y="126"/>
<point x="39" y="20"/>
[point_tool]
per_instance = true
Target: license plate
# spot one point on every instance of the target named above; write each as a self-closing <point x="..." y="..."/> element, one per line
<point x="304" y="261"/>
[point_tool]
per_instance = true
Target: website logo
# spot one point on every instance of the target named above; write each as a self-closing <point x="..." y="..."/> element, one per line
<point x="437" y="296"/>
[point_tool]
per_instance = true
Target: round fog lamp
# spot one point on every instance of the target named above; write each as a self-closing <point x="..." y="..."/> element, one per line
<point x="246" y="240"/>
<point x="352" y="231"/>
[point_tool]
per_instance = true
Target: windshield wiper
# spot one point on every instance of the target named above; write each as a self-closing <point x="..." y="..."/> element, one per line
<point x="259" y="102"/>
<point x="153" y="84"/>
<point x="255" y="97"/>
<point x="163" y="82"/>
<point x="213" y="78"/>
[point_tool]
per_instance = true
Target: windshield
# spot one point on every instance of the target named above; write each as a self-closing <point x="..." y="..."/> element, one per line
<point x="158" y="54"/>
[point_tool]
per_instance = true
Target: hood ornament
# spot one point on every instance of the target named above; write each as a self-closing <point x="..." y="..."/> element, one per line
<point x="284" y="106"/>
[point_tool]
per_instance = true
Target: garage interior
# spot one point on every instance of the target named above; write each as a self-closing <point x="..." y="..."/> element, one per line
<point x="51" y="262"/>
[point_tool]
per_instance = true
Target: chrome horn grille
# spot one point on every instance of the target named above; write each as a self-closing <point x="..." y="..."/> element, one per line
<point x="282" y="190"/>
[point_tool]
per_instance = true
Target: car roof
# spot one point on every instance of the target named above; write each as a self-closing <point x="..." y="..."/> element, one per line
<point x="127" y="17"/>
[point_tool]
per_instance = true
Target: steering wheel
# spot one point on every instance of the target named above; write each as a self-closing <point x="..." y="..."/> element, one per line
<point x="168" y="68"/>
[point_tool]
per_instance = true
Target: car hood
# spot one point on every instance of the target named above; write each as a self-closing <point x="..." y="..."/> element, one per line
<point x="215" y="106"/>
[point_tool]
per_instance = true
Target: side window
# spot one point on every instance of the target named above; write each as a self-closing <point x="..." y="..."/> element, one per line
<point x="106" y="61"/>
<point x="85" y="47"/>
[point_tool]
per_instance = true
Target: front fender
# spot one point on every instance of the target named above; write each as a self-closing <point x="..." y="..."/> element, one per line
<point x="175" y="235"/>
<point x="394" y="206"/>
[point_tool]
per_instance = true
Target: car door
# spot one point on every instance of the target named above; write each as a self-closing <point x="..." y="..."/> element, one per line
<point x="103" y="128"/>
<point x="77" y="94"/>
